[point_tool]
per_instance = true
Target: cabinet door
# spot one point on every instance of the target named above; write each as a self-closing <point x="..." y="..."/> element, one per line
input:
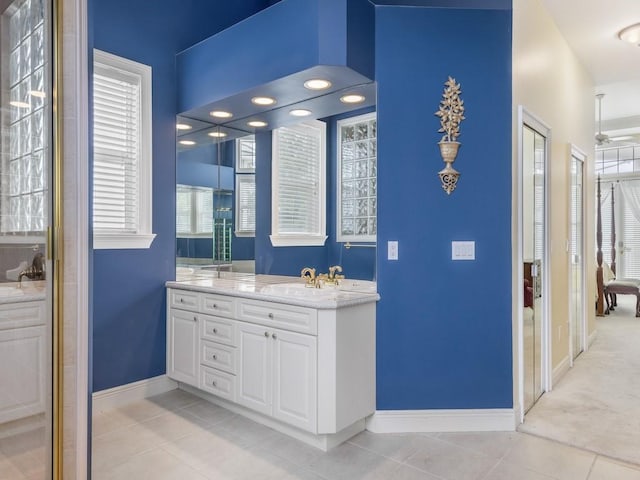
<point x="182" y="358"/>
<point x="295" y="379"/>
<point x="22" y="372"/>
<point x="254" y="368"/>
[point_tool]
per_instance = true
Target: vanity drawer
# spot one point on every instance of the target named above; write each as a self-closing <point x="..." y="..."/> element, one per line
<point x="217" y="305"/>
<point x="218" y="356"/>
<point x="18" y="315"/>
<point x="218" y="383"/>
<point x="183" y="299"/>
<point x="279" y="315"/>
<point x="217" y="329"/>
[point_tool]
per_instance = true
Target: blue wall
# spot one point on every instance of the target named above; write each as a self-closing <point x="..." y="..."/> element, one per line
<point x="443" y="327"/>
<point x="128" y="285"/>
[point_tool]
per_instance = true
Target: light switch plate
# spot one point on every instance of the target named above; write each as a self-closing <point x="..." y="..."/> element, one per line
<point x="392" y="250"/>
<point x="463" y="250"/>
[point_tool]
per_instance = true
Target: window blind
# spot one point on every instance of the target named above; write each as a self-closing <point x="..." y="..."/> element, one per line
<point x="194" y="210"/>
<point x="245" y="204"/>
<point x="298" y="157"/>
<point x="117" y="143"/>
<point x="203" y="211"/>
<point x="183" y="210"/>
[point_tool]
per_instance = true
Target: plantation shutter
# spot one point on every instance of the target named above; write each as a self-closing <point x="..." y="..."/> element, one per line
<point x="183" y="210"/>
<point x="298" y="154"/>
<point x="246" y="204"/>
<point x="204" y="211"/>
<point x="605" y="189"/>
<point x="117" y="144"/>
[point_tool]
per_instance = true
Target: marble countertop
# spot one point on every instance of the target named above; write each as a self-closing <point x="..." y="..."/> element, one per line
<point x="277" y="288"/>
<point x="13" y="292"/>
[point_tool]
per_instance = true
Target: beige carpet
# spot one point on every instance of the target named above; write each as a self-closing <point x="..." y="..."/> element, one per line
<point x="596" y="405"/>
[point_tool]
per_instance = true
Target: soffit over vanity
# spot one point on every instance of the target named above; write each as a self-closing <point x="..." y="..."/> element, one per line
<point x="272" y="54"/>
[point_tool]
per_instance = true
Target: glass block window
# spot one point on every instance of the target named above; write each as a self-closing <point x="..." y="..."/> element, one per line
<point x="25" y="145"/>
<point x="357" y="179"/>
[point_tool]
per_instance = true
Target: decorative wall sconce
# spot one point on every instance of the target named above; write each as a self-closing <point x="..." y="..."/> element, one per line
<point x="451" y="112"/>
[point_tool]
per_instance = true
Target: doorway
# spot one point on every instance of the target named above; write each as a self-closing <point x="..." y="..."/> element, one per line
<point x="533" y="157"/>
<point x="576" y="255"/>
<point x="28" y="366"/>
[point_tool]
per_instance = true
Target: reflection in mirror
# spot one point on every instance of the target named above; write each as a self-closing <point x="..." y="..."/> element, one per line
<point x="208" y="199"/>
<point x="220" y="170"/>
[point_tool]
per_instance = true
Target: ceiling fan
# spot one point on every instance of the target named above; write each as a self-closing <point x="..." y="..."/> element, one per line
<point x="601" y="138"/>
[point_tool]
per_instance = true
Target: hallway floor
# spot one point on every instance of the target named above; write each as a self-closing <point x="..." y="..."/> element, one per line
<point x="179" y="436"/>
<point x="596" y="405"/>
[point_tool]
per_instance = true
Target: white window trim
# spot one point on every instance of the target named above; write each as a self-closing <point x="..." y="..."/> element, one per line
<point x="296" y="240"/>
<point x="239" y="142"/>
<point x="339" y="236"/>
<point x="144" y="237"/>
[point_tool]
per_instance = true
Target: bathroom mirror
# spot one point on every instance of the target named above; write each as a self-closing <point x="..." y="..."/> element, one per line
<point x="217" y="182"/>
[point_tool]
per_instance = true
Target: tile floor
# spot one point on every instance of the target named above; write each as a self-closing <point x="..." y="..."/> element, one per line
<point x="24" y="456"/>
<point x="179" y="436"/>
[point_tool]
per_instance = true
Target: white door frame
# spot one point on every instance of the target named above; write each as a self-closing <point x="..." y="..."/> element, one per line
<point x="579" y="155"/>
<point x="527" y="118"/>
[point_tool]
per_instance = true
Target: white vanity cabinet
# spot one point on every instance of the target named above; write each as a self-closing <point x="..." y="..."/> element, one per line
<point x="278" y="374"/>
<point x="309" y="372"/>
<point x="23" y="360"/>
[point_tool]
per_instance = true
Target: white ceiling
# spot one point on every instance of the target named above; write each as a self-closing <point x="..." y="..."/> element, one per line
<point x="591" y="27"/>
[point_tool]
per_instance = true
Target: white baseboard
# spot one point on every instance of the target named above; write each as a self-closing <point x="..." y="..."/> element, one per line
<point x="409" y="421"/>
<point x="560" y="369"/>
<point x="131" y="392"/>
<point x="592" y="338"/>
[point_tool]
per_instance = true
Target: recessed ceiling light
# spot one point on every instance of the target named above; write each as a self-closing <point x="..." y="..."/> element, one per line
<point x="183" y="126"/>
<point x="37" y="93"/>
<point x="300" y="112"/>
<point x="631" y="34"/>
<point x="217" y="134"/>
<point x="187" y="142"/>
<point x="352" y="98"/>
<point x="317" y="84"/>
<point x="221" y="114"/>
<point x="263" y="101"/>
<point x="18" y="104"/>
<point x="257" y="123"/>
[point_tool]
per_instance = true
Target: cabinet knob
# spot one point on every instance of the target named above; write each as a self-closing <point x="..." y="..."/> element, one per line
<point x="215" y="330"/>
<point x="213" y="382"/>
<point x="274" y="336"/>
<point x="270" y="315"/>
<point x="215" y="305"/>
<point x="182" y="300"/>
<point x="215" y="357"/>
<point x="195" y="319"/>
<point x="266" y="334"/>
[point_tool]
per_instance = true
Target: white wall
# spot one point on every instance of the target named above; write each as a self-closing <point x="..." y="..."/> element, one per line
<point x="551" y="83"/>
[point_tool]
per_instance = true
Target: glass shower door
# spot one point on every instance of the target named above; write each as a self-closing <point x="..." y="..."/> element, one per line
<point x="26" y="345"/>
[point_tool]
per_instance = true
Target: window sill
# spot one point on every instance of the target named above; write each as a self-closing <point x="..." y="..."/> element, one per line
<point x="298" y="240"/>
<point x="244" y="234"/>
<point x="121" y="241"/>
